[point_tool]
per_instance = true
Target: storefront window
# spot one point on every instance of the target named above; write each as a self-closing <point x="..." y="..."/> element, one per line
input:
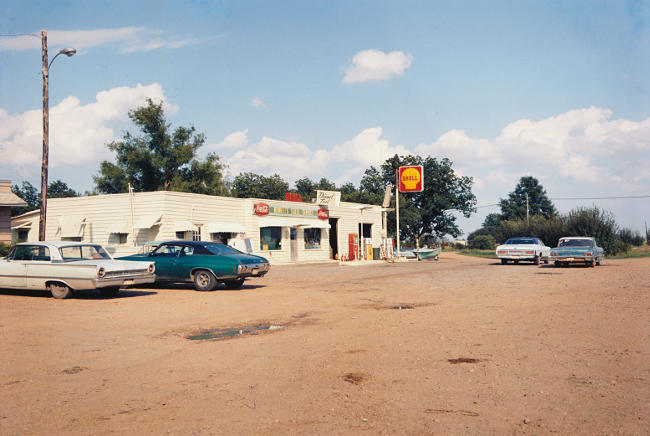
<point x="270" y="238"/>
<point x="312" y="238"/>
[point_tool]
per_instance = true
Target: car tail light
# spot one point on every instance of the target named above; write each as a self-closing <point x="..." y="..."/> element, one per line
<point x="101" y="272"/>
<point x="152" y="268"/>
<point x="587" y="253"/>
<point x="501" y="252"/>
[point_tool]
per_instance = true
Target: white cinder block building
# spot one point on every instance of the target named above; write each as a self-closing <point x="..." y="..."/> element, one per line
<point x="281" y="231"/>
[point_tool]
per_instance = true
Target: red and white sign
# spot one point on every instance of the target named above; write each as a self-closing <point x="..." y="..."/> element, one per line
<point x="411" y="179"/>
<point x="261" y="209"/>
<point x="323" y="214"/>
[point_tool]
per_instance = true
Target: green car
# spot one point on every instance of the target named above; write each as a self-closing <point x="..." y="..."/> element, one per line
<point x="204" y="263"/>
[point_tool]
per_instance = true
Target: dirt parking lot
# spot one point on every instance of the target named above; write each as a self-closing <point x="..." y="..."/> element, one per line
<point x="459" y="346"/>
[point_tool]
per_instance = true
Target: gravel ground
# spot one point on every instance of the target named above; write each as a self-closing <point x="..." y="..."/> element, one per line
<point x="459" y="346"/>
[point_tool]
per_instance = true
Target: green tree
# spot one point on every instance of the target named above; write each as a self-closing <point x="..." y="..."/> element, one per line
<point x="56" y="189"/>
<point x="492" y="220"/>
<point x="160" y="159"/>
<point x="251" y="185"/>
<point x="430" y="212"/>
<point x="514" y="207"/>
<point x="305" y="187"/>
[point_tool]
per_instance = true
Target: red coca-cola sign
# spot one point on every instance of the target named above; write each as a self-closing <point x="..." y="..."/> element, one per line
<point x="323" y="214"/>
<point x="261" y="209"/>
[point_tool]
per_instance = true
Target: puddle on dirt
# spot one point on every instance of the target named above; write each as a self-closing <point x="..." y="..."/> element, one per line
<point x="73" y="370"/>
<point x="231" y="332"/>
<point x="353" y="378"/>
<point x="402" y="306"/>
<point x="463" y="360"/>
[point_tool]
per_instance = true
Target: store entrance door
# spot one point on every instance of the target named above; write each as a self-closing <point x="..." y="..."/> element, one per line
<point x="294" y="243"/>
<point x="334" y="239"/>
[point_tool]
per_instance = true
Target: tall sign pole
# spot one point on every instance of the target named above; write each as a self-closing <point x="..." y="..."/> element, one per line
<point x="397" y="209"/>
<point x="46" y="138"/>
<point x="409" y="179"/>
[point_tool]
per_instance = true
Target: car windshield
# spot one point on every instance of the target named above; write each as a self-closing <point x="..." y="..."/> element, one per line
<point x="575" y="243"/>
<point x="513" y="241"/>
<point x="221" y="249"/>
<point x="83" y="252"/>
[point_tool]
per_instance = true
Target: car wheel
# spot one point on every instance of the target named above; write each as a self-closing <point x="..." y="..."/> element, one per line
<point x="60" y="291"/>
<point x="546" y="261"/>
<point x="204" y="280"/>
<point x="536" y="260"/>
<point x="109" y="292"/>
<point x="600" y="261"/>
<point x="516" y="262"/>
<point x="592" y="263"/>
<point x="557" y="263"/>
<point x="234" y="284"/>
<point x="504" y="261"/>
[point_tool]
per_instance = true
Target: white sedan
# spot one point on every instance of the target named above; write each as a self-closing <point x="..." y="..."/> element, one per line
<point x="62" y="267"/>
<point x="523" y="248"/>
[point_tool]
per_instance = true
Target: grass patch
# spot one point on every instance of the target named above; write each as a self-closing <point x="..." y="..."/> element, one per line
<point x="635" y="252"/>
<point x="488" y="254"/>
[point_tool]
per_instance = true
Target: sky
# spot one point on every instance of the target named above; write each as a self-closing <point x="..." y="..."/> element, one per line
<point x="557" y="90"/>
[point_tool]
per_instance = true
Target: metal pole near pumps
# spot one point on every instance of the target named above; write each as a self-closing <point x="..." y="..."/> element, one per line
<point x="397" y="209"/>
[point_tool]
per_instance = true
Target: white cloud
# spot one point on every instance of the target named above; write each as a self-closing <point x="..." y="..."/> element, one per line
<point x="258" y="102"/>
<point x="291" y="160"/>
<point x="235" y="140"/>
<point x="460" y="148"/>
<point x="78" y="133"/>
<point x="375" y="66"/>
<point x="131" y="39"/>
<point x="366" y="148"/>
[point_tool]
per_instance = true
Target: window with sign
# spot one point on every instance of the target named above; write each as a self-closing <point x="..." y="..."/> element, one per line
<point x="270" y="238"/>
<point x="312" y="238"/>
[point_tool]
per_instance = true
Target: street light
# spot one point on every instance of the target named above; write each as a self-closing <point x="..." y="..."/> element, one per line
<point x="46" y="128"/>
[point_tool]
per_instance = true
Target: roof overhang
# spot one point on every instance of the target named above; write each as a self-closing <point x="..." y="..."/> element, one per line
<point x="148" y="221"/>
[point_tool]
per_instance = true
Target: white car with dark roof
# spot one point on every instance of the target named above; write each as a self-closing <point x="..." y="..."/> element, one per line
<point x="63" y="267"/>
<point x="523" y="248"/>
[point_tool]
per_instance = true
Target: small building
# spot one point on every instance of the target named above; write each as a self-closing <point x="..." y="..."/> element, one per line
<point x="7" y="200"/>
<point x="281" y="231"/>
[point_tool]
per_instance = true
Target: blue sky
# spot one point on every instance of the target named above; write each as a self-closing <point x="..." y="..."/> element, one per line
<point x="554" y="89"/>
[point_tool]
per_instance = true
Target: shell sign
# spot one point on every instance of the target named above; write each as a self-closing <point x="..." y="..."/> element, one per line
<point x="411" y="179"/>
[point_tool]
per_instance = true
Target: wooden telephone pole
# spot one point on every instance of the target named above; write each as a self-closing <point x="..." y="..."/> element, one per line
<point x="46" y="138"/>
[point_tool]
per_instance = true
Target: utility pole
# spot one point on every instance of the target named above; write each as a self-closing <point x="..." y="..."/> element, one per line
<point x="46" y="138"/>
<point x="527" y="216"/>
<point x="397" y="210"/>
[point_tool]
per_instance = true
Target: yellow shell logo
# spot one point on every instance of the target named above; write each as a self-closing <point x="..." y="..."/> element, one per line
<point x="410" y="178"/>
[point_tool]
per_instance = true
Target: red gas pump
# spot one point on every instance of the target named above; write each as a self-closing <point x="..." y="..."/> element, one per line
<point x="353" y="246"/>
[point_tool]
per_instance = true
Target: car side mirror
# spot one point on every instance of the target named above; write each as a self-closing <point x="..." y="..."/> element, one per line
<point x="150" y="254"/>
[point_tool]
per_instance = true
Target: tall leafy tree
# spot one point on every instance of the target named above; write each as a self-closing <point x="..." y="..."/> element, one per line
<point x="159" y="158"/>
<point x="514" y="207"/>
<point x="251" y="185"/>
<point x="29" y="193"/>
<point x="431" y="212"/>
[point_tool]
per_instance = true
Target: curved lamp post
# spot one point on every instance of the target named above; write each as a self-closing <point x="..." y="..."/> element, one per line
<point x="46" y="129"/>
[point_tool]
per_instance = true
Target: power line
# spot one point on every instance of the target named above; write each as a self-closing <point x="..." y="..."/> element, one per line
<point x="621" y="197"/>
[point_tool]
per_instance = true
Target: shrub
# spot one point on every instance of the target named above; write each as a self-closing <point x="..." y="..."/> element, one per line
<point x="4" y="249"/>
<point x="630" y="237"/>
<point x="597" y="223"/>
<point x="483" y="242"/>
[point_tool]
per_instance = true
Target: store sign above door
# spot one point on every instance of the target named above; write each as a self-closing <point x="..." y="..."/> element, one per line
<point x="298" y="212"/>
<point x="411" y="179"/>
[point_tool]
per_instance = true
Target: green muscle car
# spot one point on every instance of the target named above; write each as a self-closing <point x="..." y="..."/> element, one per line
<point x="204" y="263"/>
